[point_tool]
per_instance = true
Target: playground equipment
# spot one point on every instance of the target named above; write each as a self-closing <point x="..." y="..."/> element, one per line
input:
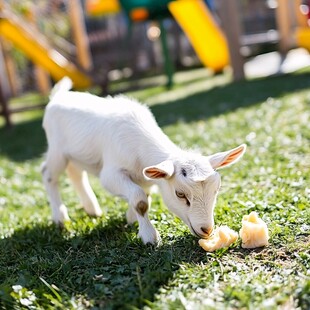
<point x="192" y="15"/>
<point x="293" y="24"/>
<point x="303" y="38"/>
<point x="49" y="61"/>
<point x="204" y="34"/>
<point x="213" y="48"/>
<point x="39" y="51"/>
<point x="303" y="29"/>
<point x="97" y="8"/>
<point x="137" y="10"/>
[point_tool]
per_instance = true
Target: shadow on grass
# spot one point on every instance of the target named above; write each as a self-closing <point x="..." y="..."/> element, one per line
<point x="105" y="265"/>
<point x="226" y="98"/>
<point x="27" y="140"/>
<point x="23" y="141"/>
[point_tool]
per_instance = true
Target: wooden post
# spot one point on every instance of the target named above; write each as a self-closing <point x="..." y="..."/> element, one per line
<point x="5" y="89"/>
<point x="43" y="80"/>
<point x="230" y="19"/>
<point x="7" y="60"/>
<point x="301" y="19"/>
<point x="80" y="34"/>
<point x="284" y="26"/>
<point x="42" y="77"/>
<point x="11" y="68"/>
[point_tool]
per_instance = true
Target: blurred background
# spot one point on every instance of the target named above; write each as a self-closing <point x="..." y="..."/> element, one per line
<point x="102" y="43"/>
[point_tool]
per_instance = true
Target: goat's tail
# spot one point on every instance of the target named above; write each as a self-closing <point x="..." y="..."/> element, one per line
<point x="65" y="84"/>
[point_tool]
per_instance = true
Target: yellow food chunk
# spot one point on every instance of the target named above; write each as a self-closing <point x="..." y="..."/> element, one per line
<point x="254" y="231"/>
<point x="222" y="237"/>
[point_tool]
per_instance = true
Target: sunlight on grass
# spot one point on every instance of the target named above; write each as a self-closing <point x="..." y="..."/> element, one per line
<point x="99" y="263"/>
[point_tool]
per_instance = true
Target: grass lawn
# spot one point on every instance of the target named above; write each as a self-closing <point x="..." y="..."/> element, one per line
<point x="101" y="264"/>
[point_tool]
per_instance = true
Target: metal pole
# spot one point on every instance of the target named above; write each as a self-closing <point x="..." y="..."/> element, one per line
<point x="169" y="68"/>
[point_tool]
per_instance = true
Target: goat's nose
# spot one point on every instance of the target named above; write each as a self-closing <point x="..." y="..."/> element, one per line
<point x="206" y="230"/>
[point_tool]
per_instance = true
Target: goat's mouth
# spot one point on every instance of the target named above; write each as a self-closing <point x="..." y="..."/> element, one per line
<point x="194" y="232"/>
<point x="199" y="235"/>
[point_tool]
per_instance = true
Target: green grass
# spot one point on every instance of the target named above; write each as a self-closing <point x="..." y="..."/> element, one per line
<point x="101" y="264"/>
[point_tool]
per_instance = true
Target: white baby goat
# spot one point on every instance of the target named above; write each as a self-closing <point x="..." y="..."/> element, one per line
<point x="118" y="140"/>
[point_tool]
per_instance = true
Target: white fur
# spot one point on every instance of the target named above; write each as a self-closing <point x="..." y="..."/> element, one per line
<point x="118" y="140"/>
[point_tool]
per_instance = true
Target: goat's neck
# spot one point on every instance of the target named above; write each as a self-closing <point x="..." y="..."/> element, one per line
<point x="161" y="151"/>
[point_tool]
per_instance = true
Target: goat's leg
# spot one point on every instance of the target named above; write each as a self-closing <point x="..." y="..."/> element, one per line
<point x="80" y="182"/>
<point x="131" y="215"/>
<point x="52" y="168"/>
<point x="119" y="184"/>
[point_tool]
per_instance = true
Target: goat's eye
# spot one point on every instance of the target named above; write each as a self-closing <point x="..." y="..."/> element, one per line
<point x="180" y="195"/>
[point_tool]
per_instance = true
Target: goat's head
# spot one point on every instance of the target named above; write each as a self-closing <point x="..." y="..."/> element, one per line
<point x="190" y="184"/>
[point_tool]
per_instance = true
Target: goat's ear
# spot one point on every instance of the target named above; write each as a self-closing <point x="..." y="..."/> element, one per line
<point x="225" y="159"/>
<point x="163" y="170"/>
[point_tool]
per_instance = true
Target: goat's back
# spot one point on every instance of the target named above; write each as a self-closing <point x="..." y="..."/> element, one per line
<point x="91" y="129"/>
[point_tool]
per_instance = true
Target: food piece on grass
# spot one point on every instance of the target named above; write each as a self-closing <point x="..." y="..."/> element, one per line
<point x="254" y="231"/>
<point x="222" y="237"/>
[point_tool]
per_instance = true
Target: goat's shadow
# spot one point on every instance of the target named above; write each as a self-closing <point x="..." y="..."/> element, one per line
<point x="105" y="262"/>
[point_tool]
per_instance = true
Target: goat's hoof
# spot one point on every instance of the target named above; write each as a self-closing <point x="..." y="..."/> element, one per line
<point x="60" y="215"/>
<point x="62" y="225"/>
<point x="153" y="238"/>
<point x="95" y="213"/>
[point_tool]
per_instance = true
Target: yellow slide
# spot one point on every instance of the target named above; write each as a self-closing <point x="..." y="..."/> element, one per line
<point x="303" y="37"/>
<point x="202" y="31"/>
<point x="37" y="49"/>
